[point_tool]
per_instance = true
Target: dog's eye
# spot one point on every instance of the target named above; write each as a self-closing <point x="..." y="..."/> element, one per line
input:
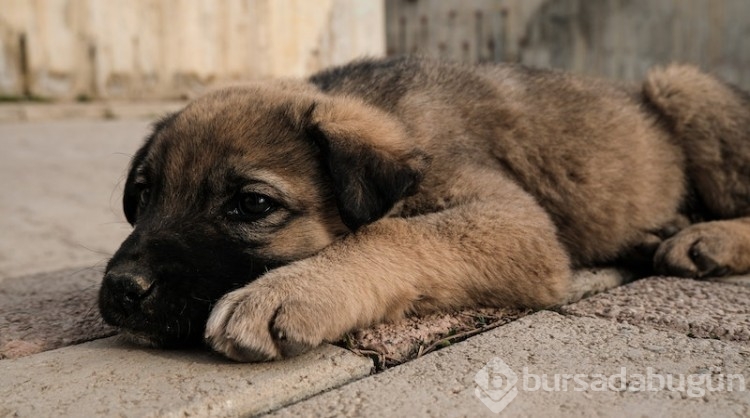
<point x="254" y="206"/>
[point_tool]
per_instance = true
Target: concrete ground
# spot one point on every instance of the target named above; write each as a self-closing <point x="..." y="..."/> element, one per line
<point x="656" y="347"/>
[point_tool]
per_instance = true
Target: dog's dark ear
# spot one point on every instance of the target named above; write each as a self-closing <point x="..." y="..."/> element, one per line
<point x="368" y="155"/>
<point x="130" y="195"/>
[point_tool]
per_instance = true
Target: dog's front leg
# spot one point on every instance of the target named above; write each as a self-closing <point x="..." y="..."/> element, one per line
<point x="475" y="254"/>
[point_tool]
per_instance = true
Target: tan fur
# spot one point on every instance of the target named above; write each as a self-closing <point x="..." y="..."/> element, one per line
<point x="505" y="180"/>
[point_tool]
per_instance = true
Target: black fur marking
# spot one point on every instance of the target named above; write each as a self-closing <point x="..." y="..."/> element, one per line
<point x="190" y="266"/>
<point x="366" y="183"/>
<point x="130" y="195"/>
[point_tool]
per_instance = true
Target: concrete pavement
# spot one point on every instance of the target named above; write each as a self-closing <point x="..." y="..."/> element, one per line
<point x="540" y="356"/>
<point x="109" y="377"/>
<point x="62" y="185"/>
<point x="60" y="218"/>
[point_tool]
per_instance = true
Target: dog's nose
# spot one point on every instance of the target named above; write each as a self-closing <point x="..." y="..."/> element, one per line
<point x="127" y="290"/>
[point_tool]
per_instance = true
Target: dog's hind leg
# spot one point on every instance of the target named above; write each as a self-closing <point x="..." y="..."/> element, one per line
<point x="711" y="121"/>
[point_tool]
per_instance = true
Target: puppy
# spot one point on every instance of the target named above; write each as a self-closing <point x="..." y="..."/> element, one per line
<point x="270" y="218"/>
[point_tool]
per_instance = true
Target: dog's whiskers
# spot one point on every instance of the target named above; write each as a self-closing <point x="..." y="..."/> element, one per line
<point x="100" y="252"/>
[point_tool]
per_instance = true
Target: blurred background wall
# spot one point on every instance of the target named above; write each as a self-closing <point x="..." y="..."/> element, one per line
<point x="612" y="38"/>
<point x="172" y="48"/>
<point x="149" y="49"/>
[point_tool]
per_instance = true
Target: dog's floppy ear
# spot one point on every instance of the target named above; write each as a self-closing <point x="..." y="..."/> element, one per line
<point x="130" y="195"/>
<point x="368" y="155"/>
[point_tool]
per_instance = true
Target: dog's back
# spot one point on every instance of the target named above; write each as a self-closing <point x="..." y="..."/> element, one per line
<point x="592" y="153"/>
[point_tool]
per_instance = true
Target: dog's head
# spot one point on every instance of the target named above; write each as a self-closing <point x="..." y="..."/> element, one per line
<point x="239" y="182"/>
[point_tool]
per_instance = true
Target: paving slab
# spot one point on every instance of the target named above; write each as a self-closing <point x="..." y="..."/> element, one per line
<point x="48" y="311"/>
<point x="535" y="348"/>
<point x="696" y="308"/>
<point x="108" y="377"/>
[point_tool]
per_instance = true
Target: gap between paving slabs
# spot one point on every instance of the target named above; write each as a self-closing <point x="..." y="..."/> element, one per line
<point x="391" y="344"/>
<point x="53" y="310"/>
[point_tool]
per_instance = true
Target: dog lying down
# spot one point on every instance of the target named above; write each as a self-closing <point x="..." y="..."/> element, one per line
<point x="270" y="218"/>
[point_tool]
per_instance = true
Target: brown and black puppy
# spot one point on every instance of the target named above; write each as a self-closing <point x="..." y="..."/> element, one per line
<point x="270" y="218"/>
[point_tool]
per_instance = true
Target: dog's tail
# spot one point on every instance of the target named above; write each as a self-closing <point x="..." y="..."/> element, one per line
<point x="696" y="102"/>
<point x="592" y="281"/>
<point x="710" y="120"/>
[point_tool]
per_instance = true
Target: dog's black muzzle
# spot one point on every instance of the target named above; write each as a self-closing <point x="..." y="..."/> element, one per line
<point x="159" y="287"/>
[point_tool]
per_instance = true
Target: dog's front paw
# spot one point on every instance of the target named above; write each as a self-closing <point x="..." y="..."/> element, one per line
<point x="698" y="251"/>
<point x="261" y="322"/>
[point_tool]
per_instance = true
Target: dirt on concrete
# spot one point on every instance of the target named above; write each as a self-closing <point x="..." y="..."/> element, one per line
<point x="391" y="344"/>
